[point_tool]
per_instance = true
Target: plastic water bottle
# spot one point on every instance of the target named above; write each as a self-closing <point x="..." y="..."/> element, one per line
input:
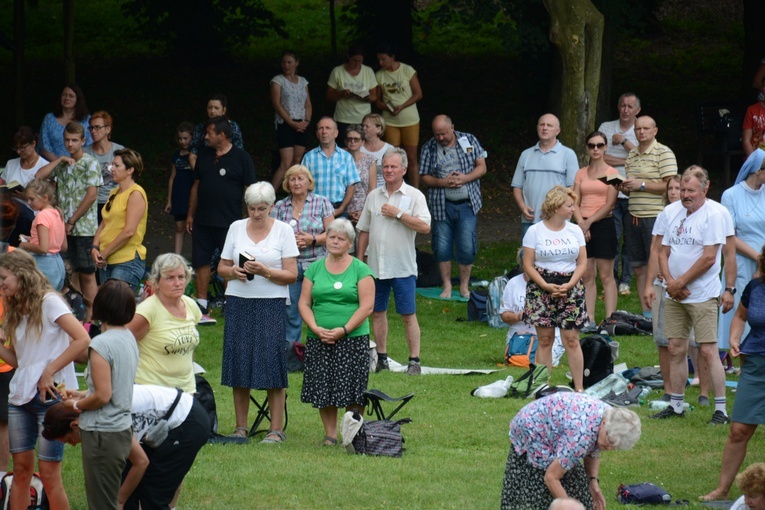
<point x="658" y="405"/>
<point x="614" y="382"/>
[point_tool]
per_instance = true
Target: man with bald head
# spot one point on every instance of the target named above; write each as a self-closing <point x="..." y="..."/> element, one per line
<point x="452" y="164"/>
<point x="540" y="168"/>
<point x="648" y="167"/>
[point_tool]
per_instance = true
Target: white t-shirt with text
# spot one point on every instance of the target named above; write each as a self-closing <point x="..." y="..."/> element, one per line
<point x="555" y="250"/>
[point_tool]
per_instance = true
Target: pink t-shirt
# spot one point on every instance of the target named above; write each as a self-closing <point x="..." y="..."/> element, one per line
<point x="594" y="193"/>
<point x="50" y="218"/>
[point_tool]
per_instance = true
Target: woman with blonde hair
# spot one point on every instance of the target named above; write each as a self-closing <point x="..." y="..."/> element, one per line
<point x="44" y="339"/>
<point x="374" y="145"/>
<point x="555" y="260"/>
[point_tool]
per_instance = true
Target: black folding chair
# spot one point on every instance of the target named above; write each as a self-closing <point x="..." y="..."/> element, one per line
<point x="374" y="399"/>
<point x="264" y="413"/>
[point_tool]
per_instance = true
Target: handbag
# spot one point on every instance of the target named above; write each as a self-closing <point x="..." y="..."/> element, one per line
<point x="157" y="433"/>
<point x="381" y="437"/>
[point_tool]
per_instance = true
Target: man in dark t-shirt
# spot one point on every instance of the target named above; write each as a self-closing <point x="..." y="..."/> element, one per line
<point x="221" y="174"/>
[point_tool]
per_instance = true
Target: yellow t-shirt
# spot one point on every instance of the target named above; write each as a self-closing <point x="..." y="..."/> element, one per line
<point x="396" y="90"/>
<point x="114" y="222"/>
<point x="353" y="109"/>
<point x="165" y="354"/>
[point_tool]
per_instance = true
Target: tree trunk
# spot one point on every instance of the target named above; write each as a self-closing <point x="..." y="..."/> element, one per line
<point x="69" y="41"/>
<point x="19" y="19"/>
<point x="577" y="30"/>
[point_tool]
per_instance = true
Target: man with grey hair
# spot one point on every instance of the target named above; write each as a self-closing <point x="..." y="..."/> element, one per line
<point x="620" y="135"/>
<point x="392" y="216"/>
<point x="690" y="260"/>
<point x="540" y="168"/>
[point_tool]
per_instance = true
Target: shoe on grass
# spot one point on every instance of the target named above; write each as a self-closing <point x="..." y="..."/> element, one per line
<point x="590" y="327"/>
<point x="667" y="412"/>
<point x="206" y="320"/>
<point x="719" y="418"/>
<point x="381" y="365"/>
<point x="624" y="289"/>
<point x="413" y="368"/>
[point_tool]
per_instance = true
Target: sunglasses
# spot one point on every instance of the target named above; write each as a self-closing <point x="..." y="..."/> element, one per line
<point x="354" y="139"/>
<point x="596" y="145"/>
<point x="108" y="205"/>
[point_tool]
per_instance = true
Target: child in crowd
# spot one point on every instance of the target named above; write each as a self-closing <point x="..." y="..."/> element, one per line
<point x="48" y="235"/>
<point x="179" y="186"/>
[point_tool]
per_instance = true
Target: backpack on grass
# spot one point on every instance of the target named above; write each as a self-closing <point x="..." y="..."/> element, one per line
<point x="598" y="363"/>
<point x="476" y="306"/>
<point x="37" y="496"/>
<point x="521" y="350"/>
<point x="530" y="382"/>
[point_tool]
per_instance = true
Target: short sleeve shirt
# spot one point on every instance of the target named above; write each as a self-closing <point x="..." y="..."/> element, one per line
<point x="755" y="120"/>
<point x="14" y="172"/>
<point x="555" y="250"/>
<point x="220" y="194"/>
<point x="538" y="172"/>
<point x="279" y="244"/>
<point x="352" y="109"/>
<point x="653" y="165"/>
<point x="753" y="299"/>
<point x="563" y="426"/>
<point x="73" y="182"/>
<point x="311" y="221"/>
<point x="687" y="236"/>
<point x="332" y="174"/>
<point x="293" y="97"/>
<point x="396" y="90"/>
<point x="335" y="297"/>
<point x="167" y="349"/>
<point x="104" y="162"/>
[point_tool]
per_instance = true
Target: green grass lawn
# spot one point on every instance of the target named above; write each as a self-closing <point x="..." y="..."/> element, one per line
<point x="456" y="446"/>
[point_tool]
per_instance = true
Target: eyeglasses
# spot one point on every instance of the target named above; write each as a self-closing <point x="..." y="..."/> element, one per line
<point x="108" y="205"/>
<point x="21" y="148"/>
<point x="96" y="128"/>
<point x="354" y="139"/>
<point x="596" y="145"/>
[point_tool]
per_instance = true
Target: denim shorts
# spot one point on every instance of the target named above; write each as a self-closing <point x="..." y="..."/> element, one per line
<point x="404" y="290"/>
<point x="24" y="426"/>
<point x="52" y="266"/>
<point x="456" y="237"/>
<point x="130" y="272"/>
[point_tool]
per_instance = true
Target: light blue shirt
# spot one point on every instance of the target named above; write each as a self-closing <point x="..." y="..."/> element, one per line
<point x="538" y="172"/>
<point x="332" y="174"/>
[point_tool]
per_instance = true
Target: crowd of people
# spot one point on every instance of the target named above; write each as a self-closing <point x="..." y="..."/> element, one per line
<point x="328" y="255"/>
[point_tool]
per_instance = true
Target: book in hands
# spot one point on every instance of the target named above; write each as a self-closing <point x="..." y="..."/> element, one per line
<point x="390" y="106"/>
<point x="246" y="257"/>
<point x="612" y="179"/>
<point x="361" y="94"/>
<point x="13" y="187"/>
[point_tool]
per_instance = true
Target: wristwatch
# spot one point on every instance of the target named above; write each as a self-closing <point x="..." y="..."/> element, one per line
<point x="732" y="290"/>
<point x="399" y="215"/>
<point x="642" y="186"/>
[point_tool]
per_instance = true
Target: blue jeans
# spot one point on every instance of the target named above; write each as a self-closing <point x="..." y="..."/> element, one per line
<point x="52" y="266"/>
<point x="456" y="236"/>
<point x="620" y="214"/>
<point x="524" y="228"/>
<point x="130" y="272"/>
<point x="25" y="425"/>
<point x="293" y="323"/>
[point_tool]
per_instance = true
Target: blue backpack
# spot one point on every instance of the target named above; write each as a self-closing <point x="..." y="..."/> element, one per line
<point x="642" y="494"/>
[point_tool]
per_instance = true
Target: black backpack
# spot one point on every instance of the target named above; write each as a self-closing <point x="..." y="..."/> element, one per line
<point x="597" y="359"/>
<point x="206" y="397"/>
<point x="477" y="303"/>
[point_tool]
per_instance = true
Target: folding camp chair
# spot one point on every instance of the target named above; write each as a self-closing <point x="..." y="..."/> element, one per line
<point x="264" y="413"/>
<point x="374" y="399"/>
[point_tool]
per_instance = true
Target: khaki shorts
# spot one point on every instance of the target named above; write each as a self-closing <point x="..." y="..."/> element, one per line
<point x="403" y="136"/>
<point x="680" y="318"/>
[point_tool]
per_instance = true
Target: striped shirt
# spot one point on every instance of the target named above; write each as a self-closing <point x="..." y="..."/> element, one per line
<point x="653" y="165"/>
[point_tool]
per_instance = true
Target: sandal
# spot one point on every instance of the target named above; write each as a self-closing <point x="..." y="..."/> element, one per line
<point x="239" y="432"/>
<point x="329" y="441"/>
<point x="274" y="437"/>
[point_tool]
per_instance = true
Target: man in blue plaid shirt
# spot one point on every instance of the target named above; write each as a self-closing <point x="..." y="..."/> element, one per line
<point x="452" y="164"/>
<point x="333" y="169"/>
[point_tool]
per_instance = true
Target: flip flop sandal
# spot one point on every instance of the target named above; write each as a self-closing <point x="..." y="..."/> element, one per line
<point x="329" y="441"/>
<point x="274" y="437"/>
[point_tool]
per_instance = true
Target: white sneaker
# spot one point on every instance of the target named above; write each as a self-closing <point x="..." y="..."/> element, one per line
<point x="206" y="320"/>
<point x="624" y="289"/>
